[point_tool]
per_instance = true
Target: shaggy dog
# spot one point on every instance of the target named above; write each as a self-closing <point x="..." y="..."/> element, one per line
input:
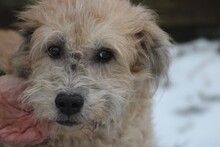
<point x="93" y="66"/>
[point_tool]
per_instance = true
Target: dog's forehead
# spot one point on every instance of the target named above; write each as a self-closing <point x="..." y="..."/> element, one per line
<point x="85" y="16"/>
<point x="95" y="21"/>
<point x="88" y="22"/>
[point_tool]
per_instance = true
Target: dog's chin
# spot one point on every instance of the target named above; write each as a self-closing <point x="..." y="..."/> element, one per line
<point x="68" y="123"/>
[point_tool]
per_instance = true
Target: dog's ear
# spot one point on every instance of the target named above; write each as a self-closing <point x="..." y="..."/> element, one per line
<point x="152" y="45"/>
<point x="26" y="25"/>
<point x="21" y="62"/>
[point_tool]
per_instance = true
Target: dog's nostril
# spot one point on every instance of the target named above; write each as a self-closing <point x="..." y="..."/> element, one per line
<point x="61" y="104"/>
<point x="69" y="104"/>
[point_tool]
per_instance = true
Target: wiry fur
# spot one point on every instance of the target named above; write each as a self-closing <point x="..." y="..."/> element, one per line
<point x="117" y="109"/>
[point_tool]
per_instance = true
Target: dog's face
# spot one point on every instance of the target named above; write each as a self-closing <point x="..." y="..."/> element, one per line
<point x="88" y="61"/>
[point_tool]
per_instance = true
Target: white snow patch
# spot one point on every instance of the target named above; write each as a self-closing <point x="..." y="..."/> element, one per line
<point x="187" y="109"/>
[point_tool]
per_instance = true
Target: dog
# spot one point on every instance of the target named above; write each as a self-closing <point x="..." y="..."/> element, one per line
<point x="93" y="66"/>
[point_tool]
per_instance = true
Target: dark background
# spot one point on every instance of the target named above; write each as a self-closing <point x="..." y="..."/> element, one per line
<point x="184" y="20"/>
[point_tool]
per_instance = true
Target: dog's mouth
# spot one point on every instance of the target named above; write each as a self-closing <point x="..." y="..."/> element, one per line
<point x="68" y="123"/>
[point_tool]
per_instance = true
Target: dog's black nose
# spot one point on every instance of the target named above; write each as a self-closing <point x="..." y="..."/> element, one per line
<point x="69" y="104"/>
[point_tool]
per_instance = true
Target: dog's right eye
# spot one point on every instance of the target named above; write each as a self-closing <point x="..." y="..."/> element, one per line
<point x="54" y="52"/>
<point x="104" y="55"/>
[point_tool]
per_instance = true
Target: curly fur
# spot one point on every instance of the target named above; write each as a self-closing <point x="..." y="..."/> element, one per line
<point x="117" y="109"/>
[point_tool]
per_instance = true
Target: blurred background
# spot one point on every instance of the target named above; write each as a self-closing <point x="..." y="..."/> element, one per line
<point x="187" y="107"/>
<point x="184" y="20"/>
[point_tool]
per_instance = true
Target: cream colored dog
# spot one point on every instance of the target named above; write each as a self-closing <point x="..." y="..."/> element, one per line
<point x="93" y="66"/>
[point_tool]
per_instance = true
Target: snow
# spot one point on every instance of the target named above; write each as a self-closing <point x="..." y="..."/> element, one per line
<point x="187" y="108"/>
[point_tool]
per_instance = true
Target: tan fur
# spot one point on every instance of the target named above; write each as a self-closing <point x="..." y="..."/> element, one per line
<point x="9" y="44"/>
<point x="117" y="111"/>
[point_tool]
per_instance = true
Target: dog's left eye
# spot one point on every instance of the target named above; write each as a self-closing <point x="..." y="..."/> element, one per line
<point x="104" y="55"/>
<point x="54" y="52"/>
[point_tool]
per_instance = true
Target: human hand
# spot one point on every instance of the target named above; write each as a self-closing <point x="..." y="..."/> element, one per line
<point x="18" y="126"/>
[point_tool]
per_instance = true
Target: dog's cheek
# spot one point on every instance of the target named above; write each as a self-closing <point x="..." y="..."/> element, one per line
<point x="45" y="109"/>
<point x="41" y="96"/>
<point x="107" y="104"/>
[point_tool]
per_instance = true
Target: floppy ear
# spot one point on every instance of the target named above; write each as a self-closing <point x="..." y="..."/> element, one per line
<point x="21" y="62"/>
<point x="26" y="23"/>
<point x="25" y="27"/>
<point x="152" y="45"/>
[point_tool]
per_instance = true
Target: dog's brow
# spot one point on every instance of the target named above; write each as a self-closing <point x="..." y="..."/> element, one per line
<point x="56" y="42"/>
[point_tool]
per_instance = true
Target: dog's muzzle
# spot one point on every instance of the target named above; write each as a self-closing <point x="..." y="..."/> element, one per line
<point x="69" y="105"/>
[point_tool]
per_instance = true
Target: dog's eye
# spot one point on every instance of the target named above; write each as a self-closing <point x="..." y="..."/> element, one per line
<point x="104" y="55"/>
<point x="54" y="52"/>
